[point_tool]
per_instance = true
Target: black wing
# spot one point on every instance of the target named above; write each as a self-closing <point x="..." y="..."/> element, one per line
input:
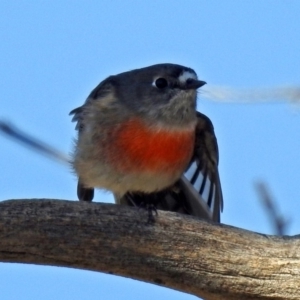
<point x="203" y="172"/>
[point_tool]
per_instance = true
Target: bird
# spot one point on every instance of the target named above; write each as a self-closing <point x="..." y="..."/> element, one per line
<point x="141" y="137"/>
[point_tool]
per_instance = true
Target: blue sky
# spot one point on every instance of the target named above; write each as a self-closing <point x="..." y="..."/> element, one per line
<point x="53" y="53"/>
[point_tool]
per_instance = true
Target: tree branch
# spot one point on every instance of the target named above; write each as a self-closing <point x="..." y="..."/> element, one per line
<point x="208" y="260"/>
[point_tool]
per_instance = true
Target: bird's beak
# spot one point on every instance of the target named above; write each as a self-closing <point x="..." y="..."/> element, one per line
<point x="193" y="84"/>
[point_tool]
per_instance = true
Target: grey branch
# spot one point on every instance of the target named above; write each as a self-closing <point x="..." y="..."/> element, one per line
<point x="13" y="132"/>
<point x="180" y="252"/>
<point x="288" y="93"/>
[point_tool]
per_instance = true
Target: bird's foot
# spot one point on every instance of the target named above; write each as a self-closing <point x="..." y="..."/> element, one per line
<point x="151" y="209"/>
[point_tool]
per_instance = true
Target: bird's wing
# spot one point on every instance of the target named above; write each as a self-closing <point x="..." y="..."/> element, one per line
<point x="87" y="193"/>
<point x="203" y="173"/>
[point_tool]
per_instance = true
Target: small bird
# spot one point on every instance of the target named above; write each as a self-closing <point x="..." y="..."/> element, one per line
<point x="140" y="137"/>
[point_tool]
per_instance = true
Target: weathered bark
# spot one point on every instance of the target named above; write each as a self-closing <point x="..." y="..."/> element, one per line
<point x="208" y="260"/>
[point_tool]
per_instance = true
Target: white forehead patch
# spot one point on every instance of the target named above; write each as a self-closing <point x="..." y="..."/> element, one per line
<point x="185" y="75"/>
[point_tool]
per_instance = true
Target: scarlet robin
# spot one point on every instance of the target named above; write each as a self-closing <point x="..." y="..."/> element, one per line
<point x="140" y="136"/>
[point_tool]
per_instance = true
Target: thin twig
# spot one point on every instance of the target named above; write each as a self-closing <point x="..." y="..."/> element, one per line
<point x="289" y="94"/>
<point x="31" y="142"/>
<point x="280" y="223"/>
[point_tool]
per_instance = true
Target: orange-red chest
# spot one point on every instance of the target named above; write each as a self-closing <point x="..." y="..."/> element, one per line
<point x="135" y="147"/>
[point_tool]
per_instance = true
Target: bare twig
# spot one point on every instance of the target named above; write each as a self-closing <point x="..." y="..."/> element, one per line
<point x="279" y="222"/>
<point x="289" y="94"/>
<point x="29" y="141"/>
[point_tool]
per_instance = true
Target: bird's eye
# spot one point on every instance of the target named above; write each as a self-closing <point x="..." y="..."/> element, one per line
<point x="189" y="80"/>
<point x="161" y="83"/>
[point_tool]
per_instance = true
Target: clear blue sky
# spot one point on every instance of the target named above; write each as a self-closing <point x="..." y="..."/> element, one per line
<point x="53" y="53"/>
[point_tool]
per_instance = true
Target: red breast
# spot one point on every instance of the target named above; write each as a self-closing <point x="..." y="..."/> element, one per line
<point x="135" y="147"/>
